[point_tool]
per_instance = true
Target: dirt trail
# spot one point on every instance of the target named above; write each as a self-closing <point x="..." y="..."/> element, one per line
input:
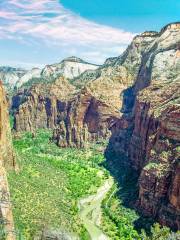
<point x="90" y="211"/>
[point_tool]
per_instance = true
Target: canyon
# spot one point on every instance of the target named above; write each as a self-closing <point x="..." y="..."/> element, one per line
<point x="132" y="100"/>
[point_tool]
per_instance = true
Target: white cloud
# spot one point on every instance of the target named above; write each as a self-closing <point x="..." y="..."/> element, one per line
<point x="49" y="22"/>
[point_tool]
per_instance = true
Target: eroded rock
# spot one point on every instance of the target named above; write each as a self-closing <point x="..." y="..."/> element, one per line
<point x="148" y="133"/>
<point x="7" y="160"/>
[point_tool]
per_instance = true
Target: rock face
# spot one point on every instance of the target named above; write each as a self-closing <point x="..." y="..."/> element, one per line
<point x="148" y="133"/>
<point x="77" y="117"/>
<point x="15" y="77"/>
<point x="6" y="160"/>
<point x="6" y="150"/>
<point x="92" y="104"/>
<point x="86" y="119"/>
<point x="154" y="149"/>
<point x="42" y="106"/>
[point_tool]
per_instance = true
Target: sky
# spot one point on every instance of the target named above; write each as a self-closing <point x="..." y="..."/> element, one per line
<point x="34" y="33"/>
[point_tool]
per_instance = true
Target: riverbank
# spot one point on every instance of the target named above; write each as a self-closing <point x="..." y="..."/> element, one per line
<point x="91" y="212"/>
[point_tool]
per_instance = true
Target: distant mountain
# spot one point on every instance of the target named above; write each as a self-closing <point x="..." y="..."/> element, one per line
<point x="33" y="73"/>
<point x="15" y="77"/>
<point x="10" y="76"/>
<point x="69" y="68"/>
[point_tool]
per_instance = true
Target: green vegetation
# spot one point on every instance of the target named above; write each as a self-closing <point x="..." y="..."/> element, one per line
<point x="50" y="181"/>
<point x="160" y="233"/>
<point x="35" y="81"/>
<point x="160" y="168"/>
<point x="121" y="223"/>
<point x="117" y="219"/>
<point x="11" y="120"/>
<point x="152" y="165"/>
<point x="178" y="149"/>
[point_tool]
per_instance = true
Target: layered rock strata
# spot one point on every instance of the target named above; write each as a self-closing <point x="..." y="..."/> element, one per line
<point x="148" y="133"/>
<point x="86" y="119"/>
<point x="93" y="97"/>
<point x="7" y="160"/>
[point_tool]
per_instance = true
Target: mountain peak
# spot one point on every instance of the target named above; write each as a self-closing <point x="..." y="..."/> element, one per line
<point x="73" y="59"/>
<point x="77" y="60"/>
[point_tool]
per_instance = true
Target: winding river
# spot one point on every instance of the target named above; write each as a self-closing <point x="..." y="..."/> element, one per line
<point x="90" y="211"/>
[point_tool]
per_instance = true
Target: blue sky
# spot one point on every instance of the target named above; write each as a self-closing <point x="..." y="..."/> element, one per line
<point x="130" y="15"/>
<point x="39" y="32"/>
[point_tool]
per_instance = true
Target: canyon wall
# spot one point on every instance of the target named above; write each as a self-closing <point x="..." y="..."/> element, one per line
<point x="86" y="119"/>
<point x="81" y="109"/>
<point x="7" y="160"/>
<point x="148" y="132"/>
<point x="144" y="83"/>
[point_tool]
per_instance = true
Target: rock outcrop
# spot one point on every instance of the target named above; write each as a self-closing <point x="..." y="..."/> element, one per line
<point x="148" y="133"/>
<point x="94" y="98"/>
<point x="42" y="106"/>
<point x="7" y="160"/>
<point x="154" y="149"/>
<point x="86" y="119"/>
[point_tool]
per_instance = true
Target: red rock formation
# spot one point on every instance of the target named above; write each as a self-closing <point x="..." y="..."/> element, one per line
<point x="87" y="119"/>
<point x="59" y="105"/>
<point x="154" y="152"/>
<point x="6" y="160"/>
<point x="148" y="133"/>
<point x="42" y="105"/>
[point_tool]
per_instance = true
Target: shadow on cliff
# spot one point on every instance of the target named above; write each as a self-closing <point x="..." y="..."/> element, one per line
<point x="119" y="164"/>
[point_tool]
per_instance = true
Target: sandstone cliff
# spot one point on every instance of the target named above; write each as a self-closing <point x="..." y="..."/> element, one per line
<point x="6" y="160"/>
<point x="93" y="97"/>
<point x="148" y="133"/>
<point x="143" y="82"/>
<point x="86" y="119"/>
<point x="41" y="106"/>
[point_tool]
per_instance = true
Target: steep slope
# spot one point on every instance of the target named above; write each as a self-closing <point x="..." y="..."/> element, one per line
<point x="6" y="160"/>
<point x="147" y="135"/>
<point x="42" y="105"/>
<point x="97" y="94"/>
<point x="97" y="106"/>
<point x="86" y="119"/>
<point x="31" y="74"/>
<point x="157" y="133"/>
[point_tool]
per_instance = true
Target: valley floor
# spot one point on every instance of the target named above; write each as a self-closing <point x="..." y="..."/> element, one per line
<point x="67" y="193"/>
<point x="91" y="212"/>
